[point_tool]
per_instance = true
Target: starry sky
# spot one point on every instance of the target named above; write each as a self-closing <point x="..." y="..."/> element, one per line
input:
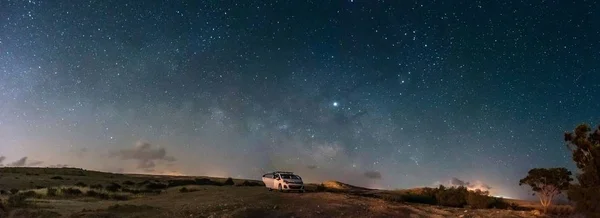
<point x="383" y="94"/>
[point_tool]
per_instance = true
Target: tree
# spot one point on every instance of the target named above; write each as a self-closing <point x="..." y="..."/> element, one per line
<point x="547" y="183"/>
<point x="585" y="147"/>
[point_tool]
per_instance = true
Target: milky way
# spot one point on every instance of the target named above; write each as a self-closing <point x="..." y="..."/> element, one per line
<point x="374" y="93"/>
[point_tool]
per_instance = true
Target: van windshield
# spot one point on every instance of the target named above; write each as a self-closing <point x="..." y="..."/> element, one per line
<point x="289" y="176"/>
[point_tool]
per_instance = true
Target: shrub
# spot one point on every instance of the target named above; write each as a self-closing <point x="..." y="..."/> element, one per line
<point x="29" y="194"/>
<point x="204" y="181"/>
<point x="51" y="192"/>
<point x="185" y="190"/>
<point x="155" y="186"/>
<point x="14" y="191"/>
<point x="119" y="197"/>
<point x="113" y="187"/>
<point x="3" y="192"/>
<point x="71" y="192"/>
<point x="17" y="201"/>
<point x="128" y="183"/>
<point x="57" y="178"/>
<point x="392" y="197"/>
<point x="95" y="194"/>
<point x="143" y="182"/>
<point x="181" y="182"/>
<point x="229" y="181"/>
<point x="96" y="186"/>
<point x="419" y="198"/>
<point x="249" y="183"/>
<point x="80" y="184"/>
<point x="451" y="197"/>
<point x="478" y="200"/>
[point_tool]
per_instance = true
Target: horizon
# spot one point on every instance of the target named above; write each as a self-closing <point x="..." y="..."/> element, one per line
<point x="386" y="94"/>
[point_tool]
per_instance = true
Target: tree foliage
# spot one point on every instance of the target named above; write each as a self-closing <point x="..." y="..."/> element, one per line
<point x="585" y="147"/>
<point x="547" y="183"/>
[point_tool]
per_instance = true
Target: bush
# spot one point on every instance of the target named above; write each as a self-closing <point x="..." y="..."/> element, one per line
<point x="14" y="191"/>
<point x="203" y="181"/>
<point x="119" y="197"/>
<point x="477" y="200"/>
<point x="249" y="183"/>
<point x="51" y="192"/>
<point x="155" y="186"/>
<point x="128" y="183"/>
<point x="229" y="181"/>
<point x="80" y="184"/>
<point x="96" y="186"/>
<point x="57" y="178"/>
<point x="95" y="194"/>
<point x="30" y="194"/>
<point x="17" y="201"/>
<point x="113" y="187"/>
<point x="3" y="192"/>
<point x="143" y="183"/>
<point x="71" y="192"/>
<point x="451" y="197"/>
<point x="181" y="182"/>
<point x="185" y="190"/>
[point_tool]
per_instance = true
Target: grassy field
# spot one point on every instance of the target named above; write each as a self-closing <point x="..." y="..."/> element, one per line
<point x="70" y="192"/>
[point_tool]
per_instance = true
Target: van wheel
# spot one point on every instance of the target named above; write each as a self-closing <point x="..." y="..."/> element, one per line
<point x="270" y="189"/>
<point x="280" y="188"/>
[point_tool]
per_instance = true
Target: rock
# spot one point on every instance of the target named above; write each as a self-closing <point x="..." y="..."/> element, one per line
<point x="461" y="216"/>
<point x="536" y="212"/>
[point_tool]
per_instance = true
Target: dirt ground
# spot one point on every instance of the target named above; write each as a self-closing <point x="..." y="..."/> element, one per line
<point x="220" y="201"/>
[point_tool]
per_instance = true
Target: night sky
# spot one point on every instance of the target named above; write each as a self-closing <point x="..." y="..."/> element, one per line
<point x="383" y="94"/>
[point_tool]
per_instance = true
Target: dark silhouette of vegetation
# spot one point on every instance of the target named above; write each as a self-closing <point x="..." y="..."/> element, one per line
<point x="143" y="182"/>
<point x="250" y="183"/>
<point x="156" y="186"/>
<point x="95" y="194"/>
<point x="3" y="209"/>
<point x="585" y="148"/>
<point x="71" y="192"/>
<point x="96" y="186"/>
<point x="181" y="182"/>
<point x="186" y="189"/>
<point x="451" y="197"/>
<point x="15" y="201"/>
<point x="119" y="197"/>
<point x="3" y="192"/>
<point x="14" y="191"/>
<point x="57" y="178"/>
<point x="128" y="183"/>
<point x="80" y="184"/>
<point x="229" y="181"/>
<point x="51" y="192"/>
<point x="547" y="183"/>
<point x="204" y="181"/>
<point x="113" y="187"/>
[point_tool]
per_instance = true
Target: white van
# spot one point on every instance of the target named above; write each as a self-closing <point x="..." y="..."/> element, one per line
<point x="283" y="181"/>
